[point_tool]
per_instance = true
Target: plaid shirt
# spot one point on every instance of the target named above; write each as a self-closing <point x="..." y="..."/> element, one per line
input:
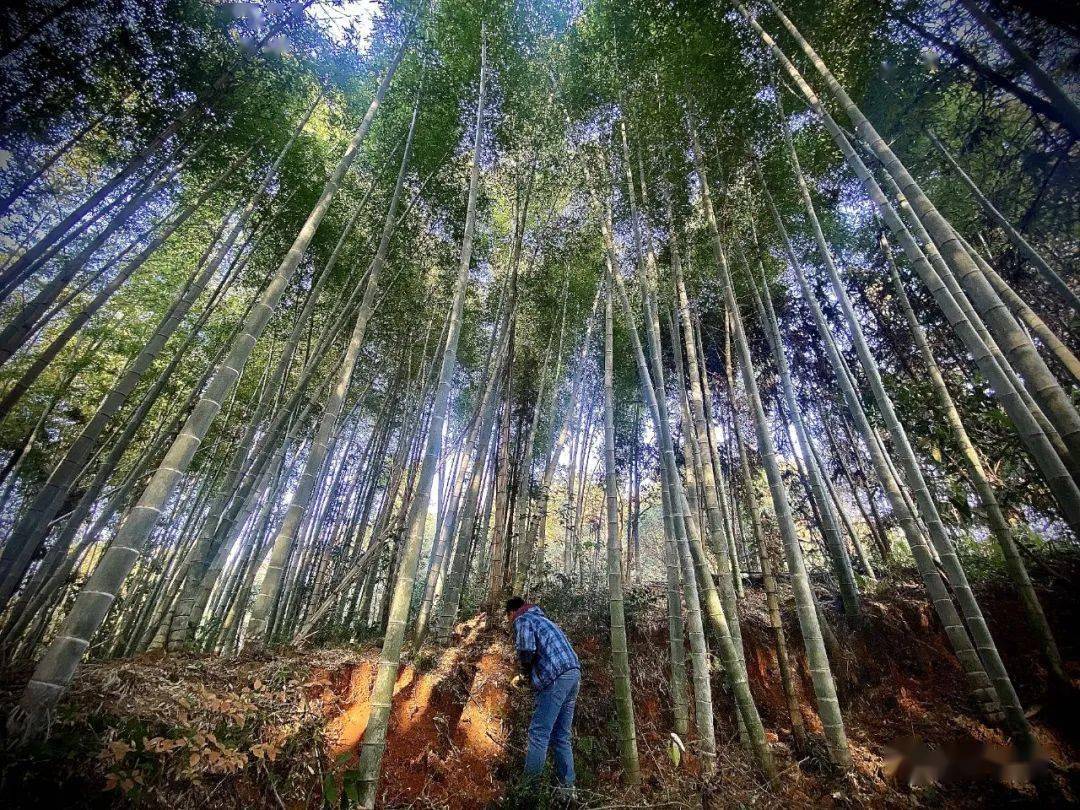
<point x="552" y="654"/>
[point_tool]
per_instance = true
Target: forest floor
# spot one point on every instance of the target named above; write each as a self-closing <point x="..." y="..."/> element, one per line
<point x="280" y="729"/>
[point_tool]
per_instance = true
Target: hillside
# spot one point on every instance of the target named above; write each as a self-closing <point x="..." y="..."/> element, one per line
<point x="282" y="728"/>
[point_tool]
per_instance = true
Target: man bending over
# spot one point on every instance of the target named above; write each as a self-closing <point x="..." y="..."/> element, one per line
<point x="552" y="667"/>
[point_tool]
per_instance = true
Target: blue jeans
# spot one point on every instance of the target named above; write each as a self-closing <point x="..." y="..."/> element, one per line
<point x="553" y="715"/>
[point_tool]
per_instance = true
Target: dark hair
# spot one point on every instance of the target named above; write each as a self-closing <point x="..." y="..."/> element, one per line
<point x="513" y="603"/>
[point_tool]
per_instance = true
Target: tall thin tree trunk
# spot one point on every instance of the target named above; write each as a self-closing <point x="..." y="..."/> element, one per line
<point x="620" y="659"/>
<point x="695" y="625"/>
<point x="676" y="647"/>
<point x="374" y="741"/>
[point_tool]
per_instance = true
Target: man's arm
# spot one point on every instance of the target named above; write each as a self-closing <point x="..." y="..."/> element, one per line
<point x="525" y="642"/>
<point x="526" y="659"/>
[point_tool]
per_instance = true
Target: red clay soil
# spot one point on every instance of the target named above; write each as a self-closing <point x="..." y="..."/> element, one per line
<point x="447" y="730"/>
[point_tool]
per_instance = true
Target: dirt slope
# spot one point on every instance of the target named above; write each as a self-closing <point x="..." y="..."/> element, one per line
<point x="281" y="729"/>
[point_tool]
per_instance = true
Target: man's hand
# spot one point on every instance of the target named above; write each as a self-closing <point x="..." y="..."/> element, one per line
<point x="517" y="681"/>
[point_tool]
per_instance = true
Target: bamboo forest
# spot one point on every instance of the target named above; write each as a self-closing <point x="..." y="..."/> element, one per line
<point x="539" y="403"/>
